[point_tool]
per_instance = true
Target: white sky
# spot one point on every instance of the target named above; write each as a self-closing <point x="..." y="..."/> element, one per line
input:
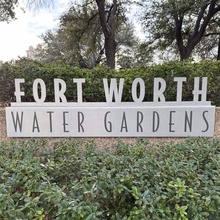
<point x="18" y="35"/>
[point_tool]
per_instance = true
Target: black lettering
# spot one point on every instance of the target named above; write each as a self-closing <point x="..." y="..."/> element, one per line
<point x="35" y="123"/>
<point x="109" y="128"/>
<point x="50" y="120"/>
<point x="171" y="121"/>
<point x="206" y="121"/>
<point x="80" y="121"/>
<point x="188" y="121"/>
<point x="156" y="117"/>
<point x="140" y="118"/>
<point x="64" y="122"/>
<point x="18" y="122"/>
<point x="124" y="123"/>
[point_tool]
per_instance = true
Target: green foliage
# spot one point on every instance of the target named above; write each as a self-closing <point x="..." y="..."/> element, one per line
<point x="7" y="10"/>
<point x="79" y="39"/>
<point x="93" y="89"/>
<point x="74" y="180"/>
<point x="189" y="27"/>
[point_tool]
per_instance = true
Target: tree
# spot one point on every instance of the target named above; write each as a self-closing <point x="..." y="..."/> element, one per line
<point x="208" y="48"/>
<point x="212" y="39"/>
<point x="75" y="41"/>
<point x="185" y="22"/>
<point x="83" y="36"/>
<point x="141" y="54"/>
<point x="108" y="12"/>
<point x="80" y="41"/>
<point x="7" y="10"/>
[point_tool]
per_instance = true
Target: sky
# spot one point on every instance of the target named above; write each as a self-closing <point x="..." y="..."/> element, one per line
<point x="18" y="35"/>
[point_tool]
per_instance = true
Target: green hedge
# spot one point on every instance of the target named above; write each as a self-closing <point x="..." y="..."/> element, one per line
<point x="66" y="180"/>
<point x="93" y="88"/>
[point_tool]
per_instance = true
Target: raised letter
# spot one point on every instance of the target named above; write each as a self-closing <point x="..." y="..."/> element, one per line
<point x="80" y="121"/>
<point x="36" y="83"/>
<point x="188" y="121"/>
<point x="113" y="91"/>
<point x="159" y="88"/>
<point x="141" y="89"/>
<point x="206" y="121"/>
<point x="59" y="90"/>
<point x="18" y="92"/>
<point x="64" y="122"/>
<point x="108" y="129"/>
<point x="179" y="81"/>
<point x="35" y="123"/>
<point x="140" y="118"/>
<point x="156" y="127"/>
<point x="79" y="88"/>
<point x="196" y="92"/>
<point x="124" y="123"/>
<point x="18" y="122"/>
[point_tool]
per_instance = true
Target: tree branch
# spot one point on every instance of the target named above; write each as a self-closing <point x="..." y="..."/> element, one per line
<point x="102" y="16"/>
<point x="211" y="12"/>
<point x="88" y="24"/>
<point x="199" y="18"/>
<point x="211" y="34"/>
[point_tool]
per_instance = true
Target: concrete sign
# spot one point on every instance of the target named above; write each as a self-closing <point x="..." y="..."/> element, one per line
<point x="112" y="118"/>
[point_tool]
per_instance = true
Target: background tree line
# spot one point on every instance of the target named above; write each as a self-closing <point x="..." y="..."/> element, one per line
<point x="93" y="32"/>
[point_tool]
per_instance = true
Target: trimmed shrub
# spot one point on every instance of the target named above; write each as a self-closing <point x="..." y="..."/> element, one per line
<point x="93" y="90"/>
<point x="73" y="180"/>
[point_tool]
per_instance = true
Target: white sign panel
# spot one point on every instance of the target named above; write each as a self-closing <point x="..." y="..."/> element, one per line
<point x="112" y="118"/>
<point x="99" y="121"/>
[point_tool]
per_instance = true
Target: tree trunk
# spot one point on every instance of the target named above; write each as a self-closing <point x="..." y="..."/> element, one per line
<point x="110" y="50"/>
<point x="185" y="52"/>
<point x="108" y="28"/>
<point x="218" y="55"/>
